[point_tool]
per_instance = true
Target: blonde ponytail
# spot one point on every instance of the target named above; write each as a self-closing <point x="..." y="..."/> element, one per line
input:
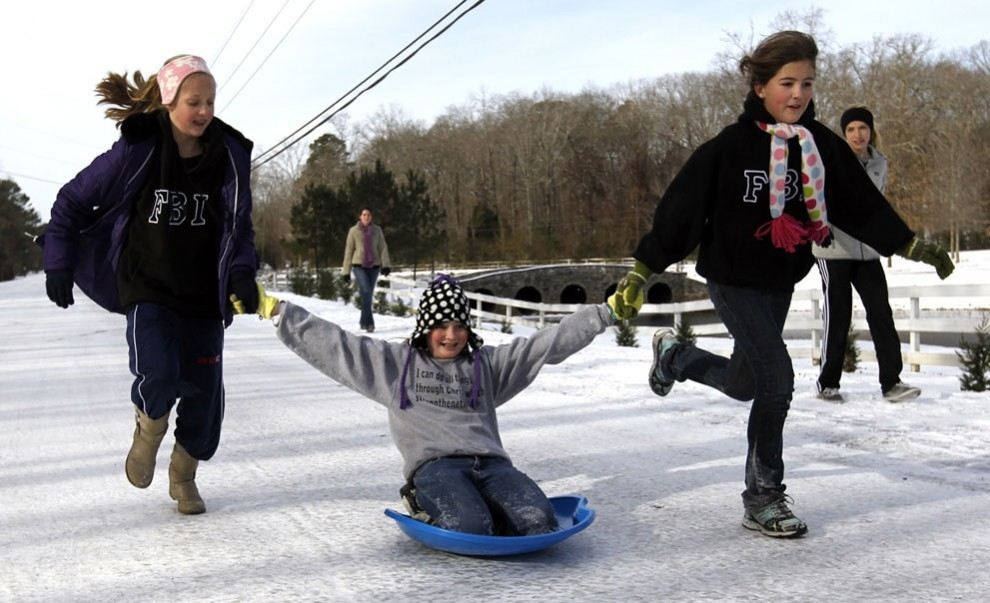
<point x="128" y="98"/>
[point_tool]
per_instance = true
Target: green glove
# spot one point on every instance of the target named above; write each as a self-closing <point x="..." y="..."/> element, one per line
<point x="930" y="253"/>
<point x="629" y="297"/>
<point x="267" y="304"/>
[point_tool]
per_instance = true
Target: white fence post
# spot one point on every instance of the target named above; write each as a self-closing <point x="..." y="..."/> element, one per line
<point x="915" y="336"/>
<point x="816" y="342"/>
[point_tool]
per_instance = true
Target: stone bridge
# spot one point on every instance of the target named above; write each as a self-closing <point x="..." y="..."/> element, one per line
<point x="577" y="284"/>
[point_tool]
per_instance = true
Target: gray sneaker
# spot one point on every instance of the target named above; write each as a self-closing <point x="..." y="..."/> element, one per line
<point x="663" y="341"/>
<point x="775" y="519"/>
<point x="831" y="394"/>
<point x="900" y="392"/>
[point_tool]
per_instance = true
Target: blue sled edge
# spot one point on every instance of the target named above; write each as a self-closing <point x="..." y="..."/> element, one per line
<point x="573" y="516"/>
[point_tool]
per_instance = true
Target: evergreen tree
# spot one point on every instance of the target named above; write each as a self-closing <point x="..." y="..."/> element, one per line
<point x="975" y="360"/>
<point x="19" y="223"/>
<point x="400" y="308"/>
<point x="417" y="223"/>
<point x="381" y="304"/>
<point x="625" y="335"/>
<point x="345" y="290"/>
<point x="319" y="227"/>
<point x="326" y="284"/>
<point x="685" y="334"/>
<point x="301" y="282"/>
<point x="850" y="360"/>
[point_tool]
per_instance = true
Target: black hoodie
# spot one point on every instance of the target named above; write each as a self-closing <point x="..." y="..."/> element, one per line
<point x="720" y="198"/>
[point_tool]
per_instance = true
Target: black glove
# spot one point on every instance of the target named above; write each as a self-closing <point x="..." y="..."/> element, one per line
<point x="242" y="285"/>
<point x="386" y="270"/>
<point x="347" y="278"/>
<point x="58" y="284"/>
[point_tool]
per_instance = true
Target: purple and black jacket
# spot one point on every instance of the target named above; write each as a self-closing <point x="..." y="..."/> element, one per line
<point x="89" y="220"/>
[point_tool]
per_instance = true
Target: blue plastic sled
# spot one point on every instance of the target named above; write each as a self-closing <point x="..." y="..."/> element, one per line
<point x="573" y="515"/>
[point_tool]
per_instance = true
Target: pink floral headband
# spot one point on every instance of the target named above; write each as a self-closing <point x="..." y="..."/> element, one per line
<point x="173" y="73"/>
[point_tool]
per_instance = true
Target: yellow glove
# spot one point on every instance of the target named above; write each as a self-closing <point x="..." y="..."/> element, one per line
<point x="629" y="296"/>
<point x="267" y="304"/>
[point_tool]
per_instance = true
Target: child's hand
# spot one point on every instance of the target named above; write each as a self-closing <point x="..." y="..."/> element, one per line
<point x="628" y="297"/>
<point x="267" y="304"/>
<point x="930" y="253"/>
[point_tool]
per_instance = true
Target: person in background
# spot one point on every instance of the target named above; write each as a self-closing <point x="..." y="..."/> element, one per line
<point x="441" y="388"/>
<point x="366" y="254"/>
<point x="752" y="200"/>
<point x="849" y="262"/>
<point x="159" y="228"/>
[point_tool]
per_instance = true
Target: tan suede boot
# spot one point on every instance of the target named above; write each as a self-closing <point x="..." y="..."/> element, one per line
<point x="182" y="482"/>
<point x="148" y="434"/>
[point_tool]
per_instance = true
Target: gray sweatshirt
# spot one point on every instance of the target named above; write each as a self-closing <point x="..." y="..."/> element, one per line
<point x="844" y="246"/>
<point x="440" y="422"/>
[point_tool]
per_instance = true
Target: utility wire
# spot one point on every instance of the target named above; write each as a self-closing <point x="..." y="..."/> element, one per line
<point x="268" y="56"/>
<point x="253" y="46"/>
<point x="258" y="162"/>
<point x="232" y="32"/>
<point x="29" y="177"/>
<point x="358" y="85"/>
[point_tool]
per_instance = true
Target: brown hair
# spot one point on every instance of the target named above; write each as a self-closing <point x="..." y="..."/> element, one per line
<point x="129" y="98"/>
<point x="774" y="52"/>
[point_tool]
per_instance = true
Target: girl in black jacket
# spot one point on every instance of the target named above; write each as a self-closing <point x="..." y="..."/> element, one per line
<point x="752" y="200"/>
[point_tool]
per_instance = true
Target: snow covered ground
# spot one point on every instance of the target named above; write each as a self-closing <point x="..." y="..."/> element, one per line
<point x="897" y="496"/>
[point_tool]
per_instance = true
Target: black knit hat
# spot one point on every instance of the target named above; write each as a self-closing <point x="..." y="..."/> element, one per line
<point x="443" y="301"/>
<point x="856" y="114"/>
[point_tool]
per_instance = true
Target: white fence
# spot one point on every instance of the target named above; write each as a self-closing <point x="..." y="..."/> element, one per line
<point x="917" y="310"/>
<point x="932" y="309"/>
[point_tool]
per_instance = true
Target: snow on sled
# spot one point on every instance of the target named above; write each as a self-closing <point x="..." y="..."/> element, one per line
<point x="573" y="515"/>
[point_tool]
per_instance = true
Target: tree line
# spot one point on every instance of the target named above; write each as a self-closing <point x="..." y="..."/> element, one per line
<point x="551" y="175"/>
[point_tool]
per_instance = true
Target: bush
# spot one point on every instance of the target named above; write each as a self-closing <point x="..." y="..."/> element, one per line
<point x="399" y="308"/>
<point x="625" y="335"/>
<point x="345" y="290"/>
<point x="326" y="285"/>
<point x="850" y="361"/>
<point x="301" y="282"/>
<point x="506" y="327"/>
<point x="975" y="360"/>
<point x="685" y="334"/>
<point x="381" y="305"/>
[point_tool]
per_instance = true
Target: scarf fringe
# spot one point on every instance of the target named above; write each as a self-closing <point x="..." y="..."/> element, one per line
<point x="787" y="233"/>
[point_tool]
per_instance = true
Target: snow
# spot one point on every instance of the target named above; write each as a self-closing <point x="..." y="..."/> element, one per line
<point x="896" y="496"/>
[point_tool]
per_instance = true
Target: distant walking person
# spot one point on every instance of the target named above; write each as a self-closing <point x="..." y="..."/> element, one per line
<point x="366" y="253"/>
<point x="849" y="262"/>
<point x="159" y="228"/>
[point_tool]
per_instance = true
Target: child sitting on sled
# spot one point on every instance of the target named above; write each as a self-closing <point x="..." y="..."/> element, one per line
<point x="441" y="388"/>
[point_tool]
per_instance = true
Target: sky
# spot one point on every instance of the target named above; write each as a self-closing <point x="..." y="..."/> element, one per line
<point x="896" y="496"/>
<point x="50" y="126"/>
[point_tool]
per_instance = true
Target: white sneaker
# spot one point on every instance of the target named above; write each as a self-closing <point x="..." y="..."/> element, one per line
<point x="900" y="392"/>
<point x="831" y="394"/>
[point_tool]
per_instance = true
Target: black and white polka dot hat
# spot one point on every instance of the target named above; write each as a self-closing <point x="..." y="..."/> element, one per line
<point x="443" y="301"/>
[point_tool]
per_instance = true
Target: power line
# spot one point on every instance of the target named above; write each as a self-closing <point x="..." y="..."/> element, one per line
<point x="253" y="46"/>
<point x="8" y="172"/>
<point x="232" y="32"/>
<point x="258" y="162"/>
<point x="268" y="56"/>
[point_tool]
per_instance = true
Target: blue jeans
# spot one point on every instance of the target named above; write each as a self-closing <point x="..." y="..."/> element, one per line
<point x="482" y="495"/>
<point x="171" y="358"/>
<point x="366" y="279"/>
<point x="759" y="369"/>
